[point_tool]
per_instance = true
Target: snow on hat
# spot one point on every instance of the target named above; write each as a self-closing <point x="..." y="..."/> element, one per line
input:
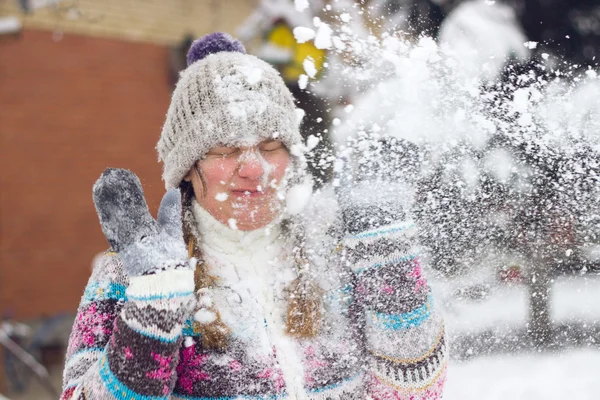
<point x="224" y="97"/>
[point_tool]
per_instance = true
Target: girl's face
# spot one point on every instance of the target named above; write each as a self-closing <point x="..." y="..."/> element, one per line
<point x="238" y="185"/>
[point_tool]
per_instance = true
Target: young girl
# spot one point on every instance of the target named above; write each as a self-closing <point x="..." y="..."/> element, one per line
<point x="235" y="292"/>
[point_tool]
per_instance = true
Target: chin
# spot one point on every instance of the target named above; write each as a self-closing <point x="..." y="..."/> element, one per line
<point x="250" y="210"/>
<point x="249" y="221"/>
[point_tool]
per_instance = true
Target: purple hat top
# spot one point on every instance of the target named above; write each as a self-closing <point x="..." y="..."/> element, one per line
<point x="212" y="43"/>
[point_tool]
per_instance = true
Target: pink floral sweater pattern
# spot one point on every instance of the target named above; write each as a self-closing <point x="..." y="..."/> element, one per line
<point x="130" y="343"/>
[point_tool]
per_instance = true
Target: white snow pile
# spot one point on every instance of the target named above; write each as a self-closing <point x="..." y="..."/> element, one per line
<point x="569" y="375"/>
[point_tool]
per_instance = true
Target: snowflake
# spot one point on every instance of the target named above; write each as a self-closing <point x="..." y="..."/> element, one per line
<point x="417" y="275"/>
<point x="89" y="328"/>
<point x="274" y="375"/>
<point x="313" y="363"/>
<point x="189" y="370"/>
<point x="164" y="372"/>
<point x="128" y="353"/>
<point x="235" y="365"/>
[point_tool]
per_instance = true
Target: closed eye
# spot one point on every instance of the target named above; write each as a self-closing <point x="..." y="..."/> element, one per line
<point x="271" y="145"/>
<point x="223" y="151"/>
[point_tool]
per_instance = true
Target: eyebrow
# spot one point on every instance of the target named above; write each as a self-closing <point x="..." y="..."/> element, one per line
<point x="270" y="141"/>
<point x="223" y="147"/>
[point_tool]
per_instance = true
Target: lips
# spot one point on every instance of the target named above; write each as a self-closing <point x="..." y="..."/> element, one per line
<point x="247" y="193"/>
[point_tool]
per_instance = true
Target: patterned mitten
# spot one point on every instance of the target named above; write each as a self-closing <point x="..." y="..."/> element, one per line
<point x="132" y="336"/>
<point x="144" y="245"/>
<point x="375" y="179"/>
<point x="404" y="334"/>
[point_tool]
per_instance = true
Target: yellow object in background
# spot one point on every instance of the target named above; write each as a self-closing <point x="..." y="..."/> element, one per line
<point x="281" y="36"/>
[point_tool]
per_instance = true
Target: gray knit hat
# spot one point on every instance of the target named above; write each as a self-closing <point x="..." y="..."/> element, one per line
<point x="224" y="97"/>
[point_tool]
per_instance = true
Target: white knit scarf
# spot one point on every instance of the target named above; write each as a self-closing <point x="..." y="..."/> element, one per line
<point x="258" y="267"/>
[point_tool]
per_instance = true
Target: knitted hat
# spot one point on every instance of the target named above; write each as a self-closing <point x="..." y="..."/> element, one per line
<point x="224" y="97"/>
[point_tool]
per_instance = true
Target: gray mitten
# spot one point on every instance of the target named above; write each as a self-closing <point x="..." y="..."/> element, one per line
<point x="145" y="245"/>
<point x="375" y="182"/>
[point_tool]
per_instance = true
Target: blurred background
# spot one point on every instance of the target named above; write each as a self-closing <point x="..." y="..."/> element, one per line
<point x="509" y="208"/>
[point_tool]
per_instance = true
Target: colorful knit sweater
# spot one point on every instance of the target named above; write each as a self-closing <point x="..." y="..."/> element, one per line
<point x="133" y="338"/>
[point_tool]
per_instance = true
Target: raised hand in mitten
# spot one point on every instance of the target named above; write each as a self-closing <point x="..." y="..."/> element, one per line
<point x="376" y="179"/>
<point x="375" y="182"/>
<point x="145" y="245"/>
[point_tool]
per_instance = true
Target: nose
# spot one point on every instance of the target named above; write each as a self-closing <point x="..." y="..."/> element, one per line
<point x="251" y="168"/>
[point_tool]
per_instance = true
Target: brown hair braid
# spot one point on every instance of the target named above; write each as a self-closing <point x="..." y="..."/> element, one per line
<point x="214" y="335"/>
<point x="304" y="295"/>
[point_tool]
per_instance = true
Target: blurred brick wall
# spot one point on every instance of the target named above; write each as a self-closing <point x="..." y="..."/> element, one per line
<point x="155" y="21"/>
<point x="69" y="109"/>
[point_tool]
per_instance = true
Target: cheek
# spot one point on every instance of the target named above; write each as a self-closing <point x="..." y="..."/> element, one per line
<point x="279" y="163"/>
<point x="215" y="172"/>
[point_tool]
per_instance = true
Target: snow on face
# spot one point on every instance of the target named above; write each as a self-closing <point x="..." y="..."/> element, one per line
<point x="221" y="196"/>
<point x="243" y="183"/>
<point x="232" y="223"/>
<point x="253" y="155"/>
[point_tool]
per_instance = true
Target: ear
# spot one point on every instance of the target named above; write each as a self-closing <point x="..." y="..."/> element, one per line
<point x="188" y="176"/>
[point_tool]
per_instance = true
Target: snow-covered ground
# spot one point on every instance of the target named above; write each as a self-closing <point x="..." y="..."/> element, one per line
<point x="569" y="375"/>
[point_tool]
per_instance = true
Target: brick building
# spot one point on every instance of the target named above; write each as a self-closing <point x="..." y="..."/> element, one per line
<point x="84" y="85"/>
